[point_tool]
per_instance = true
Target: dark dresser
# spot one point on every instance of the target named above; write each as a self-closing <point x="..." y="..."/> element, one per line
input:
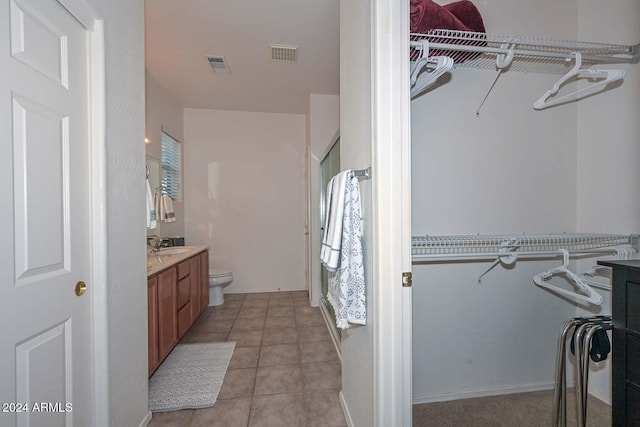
<point x="625" y="306"/>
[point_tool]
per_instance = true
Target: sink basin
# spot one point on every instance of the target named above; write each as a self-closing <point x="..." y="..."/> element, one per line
<point x="176" y="250"/>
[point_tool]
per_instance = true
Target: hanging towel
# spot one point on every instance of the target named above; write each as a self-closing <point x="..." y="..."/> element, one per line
<point x="151" y="209"/>
<point x="167" y="213"/>
<point x="346" y="283"/>
<point x="332" y="241"/>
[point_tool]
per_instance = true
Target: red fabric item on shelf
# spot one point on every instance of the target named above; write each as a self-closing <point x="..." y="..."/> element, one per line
<point x="462" y="15"/>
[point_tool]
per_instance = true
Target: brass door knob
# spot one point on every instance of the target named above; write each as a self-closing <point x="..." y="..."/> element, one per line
<point x="81" y="288"/>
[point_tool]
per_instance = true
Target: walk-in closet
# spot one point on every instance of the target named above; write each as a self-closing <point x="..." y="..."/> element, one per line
<point x="507" y="177"/>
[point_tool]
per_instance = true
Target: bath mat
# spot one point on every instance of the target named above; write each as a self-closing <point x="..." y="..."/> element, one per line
<point x="190" y="377"/>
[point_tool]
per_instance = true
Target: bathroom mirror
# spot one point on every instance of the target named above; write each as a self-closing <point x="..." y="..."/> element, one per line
<point x="153" y="169"/>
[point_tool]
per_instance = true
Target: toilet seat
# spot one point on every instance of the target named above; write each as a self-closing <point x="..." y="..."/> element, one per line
<point x="217" y="273"/>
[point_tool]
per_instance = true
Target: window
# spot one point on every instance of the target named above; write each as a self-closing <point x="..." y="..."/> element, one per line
<point x="171" y="165"/>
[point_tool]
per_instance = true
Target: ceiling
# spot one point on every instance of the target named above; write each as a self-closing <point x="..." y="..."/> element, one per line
<point x="181" y="34"/>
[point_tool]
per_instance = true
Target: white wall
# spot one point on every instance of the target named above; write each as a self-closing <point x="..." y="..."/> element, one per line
<point x="245" y="195"/>
<point x="163" y="112"/>
<point x="509" y="170"/>
<point x="125" y="223"/>
<point x="608" y="148"/>
<point x="323" y="126"/>
<point x="355" y="153"/>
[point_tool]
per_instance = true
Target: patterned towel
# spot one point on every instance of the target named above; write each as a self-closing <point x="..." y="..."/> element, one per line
<point x="346" y="284"/>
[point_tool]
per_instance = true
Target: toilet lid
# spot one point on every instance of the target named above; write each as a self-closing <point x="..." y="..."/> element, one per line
<point x="219" y="273"/>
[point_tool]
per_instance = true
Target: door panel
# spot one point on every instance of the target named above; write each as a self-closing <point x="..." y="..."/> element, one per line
<point x="44" y="133"/>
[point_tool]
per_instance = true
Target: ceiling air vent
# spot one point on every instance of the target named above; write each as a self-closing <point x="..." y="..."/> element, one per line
<point x="282" y="53"/>
<point x="218" y="64"/>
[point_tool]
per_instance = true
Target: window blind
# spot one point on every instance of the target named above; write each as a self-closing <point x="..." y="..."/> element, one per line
<point x="171" y="165"/>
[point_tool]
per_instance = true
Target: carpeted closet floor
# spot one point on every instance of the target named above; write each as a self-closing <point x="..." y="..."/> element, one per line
<point x="513" y="410"/>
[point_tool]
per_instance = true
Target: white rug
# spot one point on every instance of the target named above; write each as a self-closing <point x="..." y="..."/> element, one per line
<point x="190" y="377"/>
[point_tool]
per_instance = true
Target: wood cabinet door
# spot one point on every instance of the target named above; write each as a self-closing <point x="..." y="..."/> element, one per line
<point x="195" y="277"/>
<point x="152" y="308"/>
<point x="204" y="282"/>
<point x="167" y="312"/>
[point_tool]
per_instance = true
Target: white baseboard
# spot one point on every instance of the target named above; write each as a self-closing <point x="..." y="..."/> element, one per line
<point x="146" y="420"/>
<point x="345" y="410"/>
<point x="468" y="394"/>
<point x="604" y="398"/>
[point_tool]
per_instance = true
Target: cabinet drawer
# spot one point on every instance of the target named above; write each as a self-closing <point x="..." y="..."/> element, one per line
<point x="184" y="319"/>
<point x="183" y="269"/>
<point x="633" y="356"/>
<point x="633" y="306"/>
<point x="184" y="292"/>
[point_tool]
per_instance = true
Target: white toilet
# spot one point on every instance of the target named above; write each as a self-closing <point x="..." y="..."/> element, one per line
<point x="218" y="279"/>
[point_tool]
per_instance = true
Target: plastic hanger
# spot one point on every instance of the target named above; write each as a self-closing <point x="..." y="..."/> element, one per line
<point x="600" y="270"/>
<point x="422" y="80"/>
<point x="591" y="295"/>
<point x="605" y="76"/>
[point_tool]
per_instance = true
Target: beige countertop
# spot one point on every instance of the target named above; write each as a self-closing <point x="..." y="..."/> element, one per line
<point x="168" y="257"/>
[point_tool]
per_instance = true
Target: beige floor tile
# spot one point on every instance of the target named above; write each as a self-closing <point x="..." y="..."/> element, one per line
<point x="171" y="418"/>
<point x="280" y="295"/>
<point x="257" y="295"/>
<point x="306" y="320"/>
<point x="278" y="410"/>
<point x="279" y="354"/>
<point x="317" y="352"/>
<point x="306" y="310"/>
<point x="246" y="338"/>
<point x="321" y="376"/>
<point x="250" y="324"/>
<point x="234" y="297"/>
<point x="313" y="333"/>
<point x="324" y="408"/>
<point x="195" y="336"/>
<point x="256" y="303"/>
<point x="214" y="325"/>
<point x="233" y="303"/>
<point x="223" y="314"/>
<point x="280" y="302"/>
<point x="249" y="312"/>
<point x="279" y="322"/>
<point x="300" y="294"/>
<point x="279" y="336"/>
<point x="238" y="383"/>
<point x="225" y="413"/>
<point x="280" y="311"/>
<point x="278" y="379"/>
<point x="245" y="357"/>
<point x="301" y="302"/>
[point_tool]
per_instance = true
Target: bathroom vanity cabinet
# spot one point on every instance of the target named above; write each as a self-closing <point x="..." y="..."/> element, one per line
<point x="177" y="295"/>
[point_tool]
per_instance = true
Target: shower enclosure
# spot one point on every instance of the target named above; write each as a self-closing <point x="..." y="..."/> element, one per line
<point x="329" y="167"/>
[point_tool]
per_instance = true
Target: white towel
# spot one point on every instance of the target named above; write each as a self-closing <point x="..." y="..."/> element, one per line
<point x="332" y="241"/>
<point x="346" y="283"/>
<point x="151" y="209"/>
<point x="167" y="213"/>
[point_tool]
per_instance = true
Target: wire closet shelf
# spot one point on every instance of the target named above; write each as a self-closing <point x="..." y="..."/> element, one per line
<point x="525" y="53"/>
<point x="490" y="246"/>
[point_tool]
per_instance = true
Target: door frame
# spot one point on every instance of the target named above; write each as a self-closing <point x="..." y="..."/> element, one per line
<point x="94" y="24"/>
<point x="391" y="205"/>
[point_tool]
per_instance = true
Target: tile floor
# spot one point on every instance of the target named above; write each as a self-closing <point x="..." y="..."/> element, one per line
<point x="284" y="370"/>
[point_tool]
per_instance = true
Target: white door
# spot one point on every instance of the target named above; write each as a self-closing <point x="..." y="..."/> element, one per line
<point x="45" y="355"/>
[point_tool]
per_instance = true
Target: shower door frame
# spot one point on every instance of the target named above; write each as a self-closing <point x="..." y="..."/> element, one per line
<point x="325" y="307"/>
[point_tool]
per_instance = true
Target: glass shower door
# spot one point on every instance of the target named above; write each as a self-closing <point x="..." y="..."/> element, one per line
<point x="329" y="167"/>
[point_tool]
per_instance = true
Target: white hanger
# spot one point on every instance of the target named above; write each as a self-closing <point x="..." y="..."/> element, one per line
<point x="606" y="76"/>
<point x="421" y="81"/>
<point x="591" y="295"/>
<point x="596" y="270"/>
